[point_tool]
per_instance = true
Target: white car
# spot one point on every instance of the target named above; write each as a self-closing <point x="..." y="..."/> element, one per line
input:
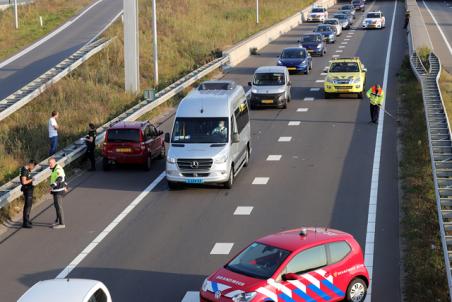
<point x="67" y="290"/>
<point x="318" y="14"/>
<point x="374" y="20"/>
<point x="335" y="24"/>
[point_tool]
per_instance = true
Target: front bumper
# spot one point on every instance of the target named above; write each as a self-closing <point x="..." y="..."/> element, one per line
<point x="218" y="173"/>
<point x="267" y="99"/>
<point x="343" y="88"/>
<point x="377" y="25"/>
<point x="316" y="19"/>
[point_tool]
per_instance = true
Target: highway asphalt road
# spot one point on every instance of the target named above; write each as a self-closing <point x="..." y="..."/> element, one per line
<point x="162" y="248"/>
<point x="438" y="19"/>
<point x="37" y="61"/>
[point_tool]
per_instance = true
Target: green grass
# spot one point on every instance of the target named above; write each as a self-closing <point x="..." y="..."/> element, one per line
<point x="445" y="83"/>
<point x="425" y="276"/>
<point x="188" y="38"/>
<point x="423" y="53"/>
<point x="53" y="13"/>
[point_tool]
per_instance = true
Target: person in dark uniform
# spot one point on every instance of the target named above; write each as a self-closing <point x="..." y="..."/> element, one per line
<point x="407" y="19"/>
<point x="27" y="189"/>
<point x="90" y="140"/>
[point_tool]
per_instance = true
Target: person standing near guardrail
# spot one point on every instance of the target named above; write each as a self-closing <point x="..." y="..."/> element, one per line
<point x="53" y="133"/>
<point x="376" y="96"/>
<point x="58" y="187"/>
<point x="27" y="189"/>
<point x="90" y="140"/>
<point x="407" y="19"/>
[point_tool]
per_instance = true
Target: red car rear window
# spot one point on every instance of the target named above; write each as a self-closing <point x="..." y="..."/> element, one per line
<point x="123" y="136"/>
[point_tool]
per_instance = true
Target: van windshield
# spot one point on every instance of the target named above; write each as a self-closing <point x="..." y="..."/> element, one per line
<point x="123" y="136"/>
<point x="269" y="79"/>
<point x="200" y="130"/>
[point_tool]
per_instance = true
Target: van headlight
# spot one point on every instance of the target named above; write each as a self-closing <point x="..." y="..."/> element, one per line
<point x="171" y="160"/>
<point x="204" y="285"/>
<point x="244" y="297"/>
<point x="221" y="159"/>
<point x="329" y="79"/>
<point x="253" y="90"/>
<point x="356" y="81"/>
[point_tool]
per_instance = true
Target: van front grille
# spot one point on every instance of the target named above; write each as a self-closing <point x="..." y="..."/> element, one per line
<point x="197" y="164"/>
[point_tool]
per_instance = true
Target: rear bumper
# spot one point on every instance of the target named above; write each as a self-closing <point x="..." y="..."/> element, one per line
<point x="300" y="68"/>
<point x="125" y="159"/>
<point x="316" y="51"/>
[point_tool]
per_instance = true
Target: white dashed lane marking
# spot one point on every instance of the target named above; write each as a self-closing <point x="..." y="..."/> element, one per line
<point x="285" y="139"/>
<point x="243" y="211"/>
<point x="340" y="50"/>
<point x="308" y="99"/>
<point x="336" y="56"/>
<point x="274" y="157"/>
<point x="294" y="123"/>
<point x="346" y="40"/>
<point x="320" y="81"/>
<point x="323" y="74"/>
<point x="302" y="110"/>
<point x="342" y="46"/>
<point x="315" y="89"/>
<point x="345" y="43"/>
<point x="260" y="180"/>
<point x="222" y="248"/>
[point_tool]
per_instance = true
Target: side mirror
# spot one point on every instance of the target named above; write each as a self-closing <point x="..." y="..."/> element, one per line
<point x="167" y="137"/>
<point x="249" y="84"/>
<point x="289" y="276"/>
<point x="235" y="138"/>
<point x="364" y="69"/>
<point x="289" y="83"/>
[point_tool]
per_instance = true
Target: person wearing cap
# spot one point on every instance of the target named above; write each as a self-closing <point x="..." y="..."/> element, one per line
<point x="376" y="96"/>
<point x="27" y="189"/>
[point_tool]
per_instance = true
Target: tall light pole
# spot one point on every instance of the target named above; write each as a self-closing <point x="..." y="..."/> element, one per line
<point x="16" y="17"/>
<point x="131" y="47"/>
<point x="156" y="54"/>
<point x="257" y="11"/>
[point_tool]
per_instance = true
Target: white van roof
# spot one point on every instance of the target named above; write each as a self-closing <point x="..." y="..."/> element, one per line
<point x="270" y="69"/>
<point x="211" y="99"/>
<point x="58" y="290"/>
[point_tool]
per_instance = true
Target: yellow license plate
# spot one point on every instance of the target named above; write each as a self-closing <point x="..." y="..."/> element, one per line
<point x="291" y="68"/>
<point x="123" y="150"/>
<point x="267" y="102"/>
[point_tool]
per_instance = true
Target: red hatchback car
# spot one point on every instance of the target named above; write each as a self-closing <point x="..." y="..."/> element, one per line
<point x="308" y="264"/>
<point x="132" y="143"/>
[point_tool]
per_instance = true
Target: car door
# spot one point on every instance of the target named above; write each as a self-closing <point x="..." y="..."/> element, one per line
<point x="313" y="280"/>
<point x="235" y="147"/>
<point x="147" y="139"/>
<point x="339" y="268"/>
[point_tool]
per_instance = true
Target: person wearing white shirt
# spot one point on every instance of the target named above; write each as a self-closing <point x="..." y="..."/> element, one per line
<point x="53" y="133"/>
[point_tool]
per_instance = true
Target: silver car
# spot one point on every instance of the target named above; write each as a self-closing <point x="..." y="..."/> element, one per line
<point x="336" y="24"/>
<point x="343" y="19"/>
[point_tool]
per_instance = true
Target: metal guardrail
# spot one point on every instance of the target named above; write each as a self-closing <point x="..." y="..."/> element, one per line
<point x="11" y="190"/>
<point x="26" y="94"/>
<point x="440" y="145"/>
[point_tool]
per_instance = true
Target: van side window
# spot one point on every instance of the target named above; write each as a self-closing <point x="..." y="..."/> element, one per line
<point x="242" y="116"/>
<point x="147" y="133"/>
<point x="99" y="296"/>
<point x="153" y="131"/>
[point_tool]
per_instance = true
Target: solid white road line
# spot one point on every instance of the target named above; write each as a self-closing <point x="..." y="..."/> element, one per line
<point x="302" y="109"/>
<point x="439" y="28"/>
<point x="317" y="89"/>
<point x="373" y="198"/>
<point x="308" y="99"/>
<point x="48" y="37"/>
<point x="285" y="139"/>
<point x="243" y="211"/>
<point x="74" y="263"/>
<point x="294" y="123"/>
<point x="260" y="180"/>
<point x="274" y="157"/>
<point x="222" y="248"/>
<point x="191" y="297"/>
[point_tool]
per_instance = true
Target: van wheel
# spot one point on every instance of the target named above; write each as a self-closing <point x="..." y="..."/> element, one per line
<point x="230" y="182"/>
<point x="147" y="164"/>
<point x="247" y="157"/>
<point x="327" y="95"/>
<point x="105" y="164"/>
<point x="360" y="95"/>
<point x="162" y="152"/>
<point x="356" y="291"/>
<point x="173" y="185"/>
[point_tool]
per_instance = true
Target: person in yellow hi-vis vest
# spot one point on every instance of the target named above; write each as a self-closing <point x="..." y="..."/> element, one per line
<point x="376" y="96"/>
<point x="58" y="187"/>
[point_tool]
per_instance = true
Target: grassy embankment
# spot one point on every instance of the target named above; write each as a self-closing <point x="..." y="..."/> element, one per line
<point x="425" y="277"/>
<point x="53" y="13"/>
<point x="188" y="38"/>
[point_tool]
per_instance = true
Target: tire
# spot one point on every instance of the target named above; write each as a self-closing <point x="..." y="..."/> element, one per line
<point x="172" y="185"/>
<point x="360" y="95"/>
<point x="230" y="182"/>
<point x="247" y="158"/>
<point x="162" y="152"/>
<point x="252" y="106"/>
<point x="105" y="165"/>
<point x="284" y="105"/>
<point x="148" y="163"/>
<point x="307" y="70"/>
<point x="327" y="95"/>
<point x="356" y="291"/>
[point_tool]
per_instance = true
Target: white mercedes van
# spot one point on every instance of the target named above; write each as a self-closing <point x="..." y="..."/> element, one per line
<point x="210" y="139"/>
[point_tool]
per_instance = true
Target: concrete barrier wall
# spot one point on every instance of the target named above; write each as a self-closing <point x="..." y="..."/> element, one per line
<point x="417" y="35"/>
<point x="242" y="50"/>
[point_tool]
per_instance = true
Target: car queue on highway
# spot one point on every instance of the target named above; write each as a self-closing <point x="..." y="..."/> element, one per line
<point x="210" y="142"/>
